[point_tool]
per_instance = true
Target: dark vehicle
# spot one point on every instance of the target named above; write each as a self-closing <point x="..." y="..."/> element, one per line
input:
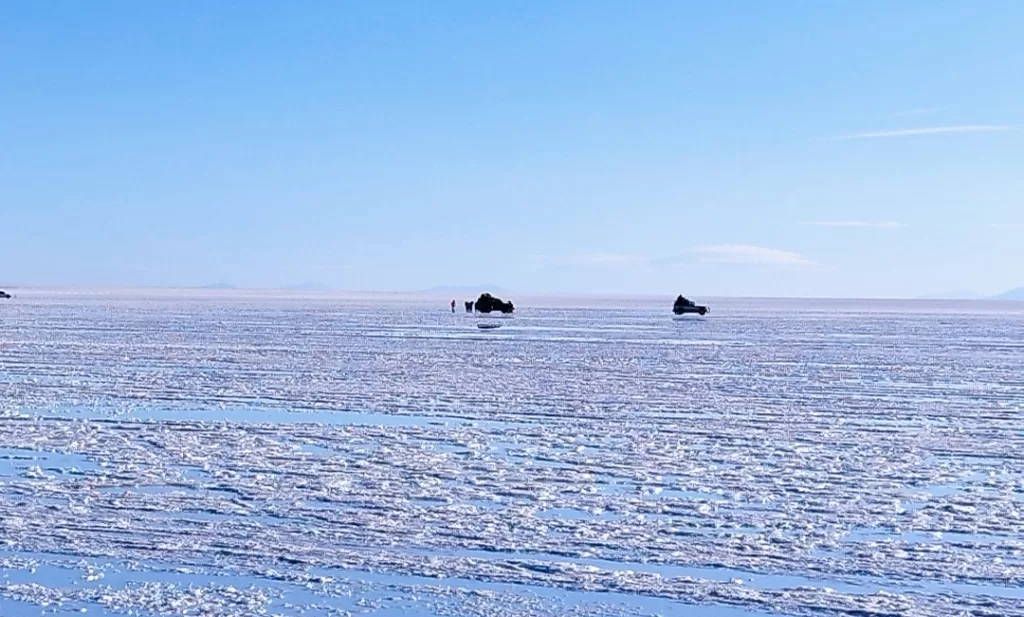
<point x="683" y="306"/>
<point x="487" y="303"/>
<point x="4" y="295"/>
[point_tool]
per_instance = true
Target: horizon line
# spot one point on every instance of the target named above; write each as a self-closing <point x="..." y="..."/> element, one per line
<point x="537" y="294"/>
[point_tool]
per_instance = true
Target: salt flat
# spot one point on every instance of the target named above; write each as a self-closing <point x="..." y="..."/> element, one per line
<point x="284" y="454"/>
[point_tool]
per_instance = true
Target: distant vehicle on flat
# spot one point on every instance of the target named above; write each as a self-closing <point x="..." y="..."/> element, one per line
<point x="4" y="295"/>
<point x="683" y="306"/>
<point x="489" y="308"/>
<point x="487" y="303"/>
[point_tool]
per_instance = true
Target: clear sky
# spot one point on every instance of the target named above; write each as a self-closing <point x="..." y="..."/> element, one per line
<point x="851" y="148"/>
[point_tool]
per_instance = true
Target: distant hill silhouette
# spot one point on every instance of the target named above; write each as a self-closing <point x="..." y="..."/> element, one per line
<point x="1015" y="295"/>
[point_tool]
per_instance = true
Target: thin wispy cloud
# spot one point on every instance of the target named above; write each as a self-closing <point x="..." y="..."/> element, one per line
<point x="931" y="130"/>
<point x="875" y="224"/>
<point x="722" y="254"/>
<point x="746" y="254"/>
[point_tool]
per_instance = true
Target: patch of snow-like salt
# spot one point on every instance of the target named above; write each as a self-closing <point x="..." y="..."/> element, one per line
<point x="856" y="460"/>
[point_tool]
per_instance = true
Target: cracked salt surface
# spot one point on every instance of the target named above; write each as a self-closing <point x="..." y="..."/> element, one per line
<point x="241" y="454"/>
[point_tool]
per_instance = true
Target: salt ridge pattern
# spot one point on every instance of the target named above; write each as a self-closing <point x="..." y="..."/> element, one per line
<point x="818" y="458"/>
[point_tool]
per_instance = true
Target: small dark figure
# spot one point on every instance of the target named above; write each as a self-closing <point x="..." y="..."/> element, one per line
<point x="453" y="305"/>
<point x="469" y="306"/>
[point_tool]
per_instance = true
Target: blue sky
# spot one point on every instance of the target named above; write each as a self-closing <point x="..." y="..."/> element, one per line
<point x="851" y="148"/>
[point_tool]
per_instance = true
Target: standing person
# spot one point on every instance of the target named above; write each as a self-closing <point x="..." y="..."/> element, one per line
<point x="453" y="305"/>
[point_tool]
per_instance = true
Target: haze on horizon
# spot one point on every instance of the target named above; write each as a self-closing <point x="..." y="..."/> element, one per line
<point x="867" y="149"/>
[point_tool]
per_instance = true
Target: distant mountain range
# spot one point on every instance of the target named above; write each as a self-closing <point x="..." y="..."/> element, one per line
<point x="307" y="286"/>
<point x="473" y="290"/>
<point x="1014" y="295"/>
